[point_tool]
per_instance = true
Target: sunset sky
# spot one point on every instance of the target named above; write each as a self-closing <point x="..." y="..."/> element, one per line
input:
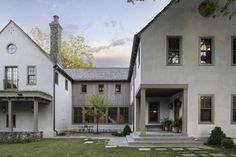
<point x="107" y="25"/>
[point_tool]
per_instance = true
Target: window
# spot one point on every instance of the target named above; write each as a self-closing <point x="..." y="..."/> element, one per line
<point x="124" y="115"/>
<point x="56" y="78"/>
<point x="118" y="88"/>
<point x="66" y="84"/>
<point x="77" y="115"/>
<point x="83" y="88"/>
<point x="154" y="113"/>
<point x="206" y="109"/>
<point x="112" y="115"/>
<point x="32" y="78"/>
<point x="234" y="109"/>
<point x="11" y="77"/>
<point x="89" y="118"/>
<point x="234" y="51"/>
<point x="13" y="118"/>
<point x="101" y="88"/>
<point x="174" y="50"/>
<point x="206" y="51"/>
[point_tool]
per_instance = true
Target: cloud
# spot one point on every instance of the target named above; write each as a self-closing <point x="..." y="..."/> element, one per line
<point x="113" y="43"/>
<point x="111" y="23"/>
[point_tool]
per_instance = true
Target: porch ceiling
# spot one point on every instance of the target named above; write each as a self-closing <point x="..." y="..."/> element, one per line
<point x="16" y="95"/>
<point x="162" y="92"/>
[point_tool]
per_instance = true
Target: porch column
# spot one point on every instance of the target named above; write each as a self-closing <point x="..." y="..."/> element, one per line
<point x="36" y="110"/>
<point x="185" y="112"/>
<point x="10" y="119"/>
<point x="142" y="112"/>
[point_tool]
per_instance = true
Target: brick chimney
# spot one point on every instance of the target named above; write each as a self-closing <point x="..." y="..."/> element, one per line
<point x="55" y="40"/>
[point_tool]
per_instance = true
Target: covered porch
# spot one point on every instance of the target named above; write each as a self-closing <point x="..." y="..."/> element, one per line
<point x="156" y="103"/>
<point x="19" y="110"/>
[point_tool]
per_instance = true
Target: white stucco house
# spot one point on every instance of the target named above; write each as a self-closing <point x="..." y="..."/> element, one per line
<point x="182" y="66"/>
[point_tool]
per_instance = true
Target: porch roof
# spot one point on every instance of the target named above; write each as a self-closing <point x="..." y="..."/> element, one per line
<point x="24" y="95"/>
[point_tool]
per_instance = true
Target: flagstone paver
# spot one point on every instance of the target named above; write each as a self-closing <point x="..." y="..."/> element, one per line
<point x="161" y="149"/>
<point x="204" y="155"/>
<point x="144" y="149"/>
<point x="201" y="152"/>
<point x="188" y="155"/>
<point x="177" y="149"/>
<point x="217" y="155"/>
<point x="110" y="146"/>
<point x="88" y="142"/>
<point x="193" y="149"/>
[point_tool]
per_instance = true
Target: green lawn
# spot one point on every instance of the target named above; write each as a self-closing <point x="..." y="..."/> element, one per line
<point x="77" y="148"/>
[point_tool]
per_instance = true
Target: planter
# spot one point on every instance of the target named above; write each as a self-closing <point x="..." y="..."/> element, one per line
<point x="167" y="128"/>
<point x="207" y="8"/>
<point x="175" y="129"/>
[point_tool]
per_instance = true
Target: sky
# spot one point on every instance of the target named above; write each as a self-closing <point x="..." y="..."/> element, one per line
<point x="107" y="25"/>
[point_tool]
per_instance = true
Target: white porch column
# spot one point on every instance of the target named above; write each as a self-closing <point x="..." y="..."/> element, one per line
<point x="36" y="110"/>
<point x="10" y="119"/>
<point x="185" y="112"/>
<point x="142" y="112"/>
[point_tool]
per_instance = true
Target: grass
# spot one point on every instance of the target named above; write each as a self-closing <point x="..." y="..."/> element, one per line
<point x="77" y="148"/>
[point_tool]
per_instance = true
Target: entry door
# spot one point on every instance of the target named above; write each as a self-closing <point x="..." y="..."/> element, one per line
<point x="154" y="113"/>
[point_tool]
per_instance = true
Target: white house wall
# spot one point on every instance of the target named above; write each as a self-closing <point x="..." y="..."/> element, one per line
<point x="183" y="19"/>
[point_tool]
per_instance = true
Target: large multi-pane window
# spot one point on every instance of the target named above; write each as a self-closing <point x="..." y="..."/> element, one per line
<point x="112" y="115"/>
<point x="206" y="51"/>
<point x="173" y="50"/>
<point x="234" y="109"/>
<point x="124" y="115"/>
<point x="89" y="118"/>
<point x="31" y="78"/>
<point x="206" y="109"/>
<point x="11" y="77"/>
<point x="77" y="115"/>
<point x="234" y="50"/>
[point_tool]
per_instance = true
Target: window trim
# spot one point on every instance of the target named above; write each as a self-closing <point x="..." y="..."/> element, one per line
<point x="180" y="49"/>
<point x="81" y="90"/>
<point x="232" y="49"/>
<point x="232" y="108"/>
<point x="213" y="50"/>
<point x="212" y="109"/>
<point x="31" y="75"/>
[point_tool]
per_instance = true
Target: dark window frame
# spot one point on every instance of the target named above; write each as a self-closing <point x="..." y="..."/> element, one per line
<point x="13" y="84"/>
<point x="77" y="120"/>
<point x="83" y="90"/>
<point x="212" y="51"/>
<point x="32" y="76"/>
<point x="178" y="50"/>
<point x="110" y="114"/>
<point x="233" y="109"/>
<point x="101" y="88"/>
<point x="119" y="88"/>
<point x="233" y="51"/>
<point x="211" y="108"/>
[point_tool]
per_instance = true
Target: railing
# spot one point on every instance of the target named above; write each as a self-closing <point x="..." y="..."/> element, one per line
<point x="10" y="84"/>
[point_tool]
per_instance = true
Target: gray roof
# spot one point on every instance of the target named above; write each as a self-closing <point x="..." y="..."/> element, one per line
<point x="98" y="74"/>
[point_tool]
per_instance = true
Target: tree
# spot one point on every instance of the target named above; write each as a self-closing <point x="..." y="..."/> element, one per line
<point x="74" y="51"/>
<point x="100" y="104"/>
<point x="225" y="8"/>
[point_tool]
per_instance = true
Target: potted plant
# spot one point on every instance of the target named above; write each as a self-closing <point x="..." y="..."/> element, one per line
<point x="167" y="124"/>
<point x="176" y="125"/>
<point x="207" y="8"/>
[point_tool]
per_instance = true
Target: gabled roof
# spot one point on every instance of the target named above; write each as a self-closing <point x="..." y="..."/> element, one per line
<point x="27" y="36"/>
<point x="98" y="74"/>
<point x="137" y="38"/>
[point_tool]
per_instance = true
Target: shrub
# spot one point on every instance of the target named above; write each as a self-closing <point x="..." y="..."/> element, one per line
<point x="127" y="130"/>
<point x="118" y="134"/>
<point x="227" y="143"/>
<point x="216" y="136"/>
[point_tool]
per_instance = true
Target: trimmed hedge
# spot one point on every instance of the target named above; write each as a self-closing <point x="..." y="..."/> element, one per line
<point x="227" y="143"/>
<point x="216" y="136"/>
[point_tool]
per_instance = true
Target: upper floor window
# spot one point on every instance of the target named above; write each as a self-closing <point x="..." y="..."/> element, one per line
<point x="101" y="88"/>
<point x="66" y="84"/>
<point x="118" y="88"/>
<point x="31" y="78"/>
<point x="174" y="50"/>
<point x="83" y="88"/>
<point x="234" y="51"/>
<point x="206" y="109"/>
<point x="206" y="51"/>
<point x="56" y="78"/>
<point x="234" y="109"/>
<point x="11" y="77"/>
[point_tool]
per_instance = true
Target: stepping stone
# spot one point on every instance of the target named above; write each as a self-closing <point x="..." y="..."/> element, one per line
<point x="193" y="149"/>
<point x="177" y="149"/>
<point x="86" y="139"/>
<point x="88" y="142"/>
<point x="188" y="155"/>
<point x="234" y="155"/>
<point x="110" y="146"/>
<point x="144" y="149"/>
<point x="201" y="152"/>
<point x="217" y="155"/>
<point x="161" y="149"/>
<point x="204" y="155"/>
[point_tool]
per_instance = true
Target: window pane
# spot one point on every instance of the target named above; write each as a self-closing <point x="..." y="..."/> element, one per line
<point x="78" y="116"/>
<point x="101" y="88"/>
<point x="89" y="118"/>
<point x="174" y="50"/>
<point x="124" y="115"/>
<point x="206" y="102"/>
<point x="102" y="119"/>
<point x="84" y="88"/>
<point x="206" y="109"/>
<point x="206" y="115"/>
<point x="112" y="115"/>
<point x="153" y="113"/>
<point x="206" y="51"/>
<point x="11" y="80"/>
<point x="118" y="88"/>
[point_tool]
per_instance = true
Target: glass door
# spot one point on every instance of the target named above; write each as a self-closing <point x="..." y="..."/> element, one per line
<point x="154" y="113"/>
<point x="11" y="80"/>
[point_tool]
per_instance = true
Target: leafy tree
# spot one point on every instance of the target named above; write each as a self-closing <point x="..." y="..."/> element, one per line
<point x="100" y="103"/>
<point x="221" y="7"/>
<point x="74" y="51"/>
